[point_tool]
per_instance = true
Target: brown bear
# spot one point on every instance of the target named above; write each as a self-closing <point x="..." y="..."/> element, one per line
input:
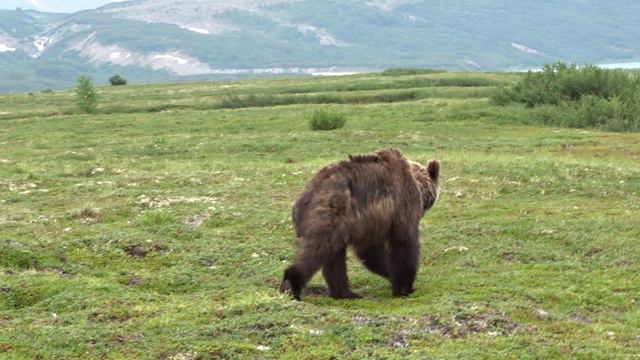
<point x="373" y="203"/>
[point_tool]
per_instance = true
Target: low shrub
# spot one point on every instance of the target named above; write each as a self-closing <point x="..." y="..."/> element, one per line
<point x="327" y="120"/>
<point x="586" y="96"/>
<point x="86" y="95"/>
<point x="263" y="100"/>
<point x="561" y="82"/>
<point x="410" y="71"/>
<point x="117" y="80"/>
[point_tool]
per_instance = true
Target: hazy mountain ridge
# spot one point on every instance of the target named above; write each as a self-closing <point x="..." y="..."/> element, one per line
<point x="154" y="40"/>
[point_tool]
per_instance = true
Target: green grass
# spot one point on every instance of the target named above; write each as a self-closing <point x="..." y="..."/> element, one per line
<point x="163" y="235"/>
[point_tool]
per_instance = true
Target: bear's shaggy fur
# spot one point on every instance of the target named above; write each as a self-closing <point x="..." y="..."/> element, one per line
<point x="373" y="203"/>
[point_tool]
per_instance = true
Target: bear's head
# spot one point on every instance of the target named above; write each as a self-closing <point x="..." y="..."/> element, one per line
<point x="428" y="180"/>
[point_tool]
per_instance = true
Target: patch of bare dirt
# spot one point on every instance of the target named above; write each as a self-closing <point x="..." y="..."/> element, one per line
<point x="463" y="325"/>
<point x="137" y="251"/>
<point x="581" y="318"/>
<point x="197" y="221"/>
<point x="593" y="252"/>
<point x="135" y="280"/>
<point x="5" y="318"/>
<point x="510" y="256"/>
<point x="5" y="348"/>
<point x="460" y="326"/>
<point x="88" y="215"/>
<point x="104" y="317"/>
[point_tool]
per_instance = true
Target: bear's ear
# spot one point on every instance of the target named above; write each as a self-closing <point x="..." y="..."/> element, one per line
<point x="433" y="168"/>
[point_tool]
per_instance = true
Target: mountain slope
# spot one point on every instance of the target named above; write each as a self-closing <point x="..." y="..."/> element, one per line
<point x="153" y="40"/>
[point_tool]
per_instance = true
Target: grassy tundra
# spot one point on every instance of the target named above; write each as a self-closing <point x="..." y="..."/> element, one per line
<point x="159" y="227"/>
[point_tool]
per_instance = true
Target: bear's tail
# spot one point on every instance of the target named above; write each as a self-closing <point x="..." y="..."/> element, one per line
<point x="433" y="168"/>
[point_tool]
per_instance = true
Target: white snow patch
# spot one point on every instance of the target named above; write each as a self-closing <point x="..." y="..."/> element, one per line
<point x="41" y="43"/>
<point x="525" y="49"/>
<point x="6" y="48"/>
<point x="323" y="35"/>
<point x="472" y="63"/>
<point x="197" y="30"/>
<point x="182" y="64"/>
<point x="177" y="59"/>
<point x="415" y="19"/>
<point x="79" y="27"/>
<point x="175" y="62"/>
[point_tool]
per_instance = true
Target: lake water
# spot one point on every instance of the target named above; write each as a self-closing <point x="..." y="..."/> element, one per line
<point x="625" y="65"/>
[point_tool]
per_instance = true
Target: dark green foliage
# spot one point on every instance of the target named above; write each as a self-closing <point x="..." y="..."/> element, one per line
<point x="86" y="95"/>
<point x="327" y="120"/>
<point x="588" y="96"/>
<point x="264" y="100"/>
<point x="501" y="96"/>
<point x="117" y="80"/>
<point x="561" y="82"/>
<point x="410" y="71"/>
<point x="405" y="83"/>
<point x="394" y="97"/>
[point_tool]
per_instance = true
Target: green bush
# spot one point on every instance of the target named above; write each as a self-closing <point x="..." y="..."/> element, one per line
<point x="117" y="80"/>
<point x="582" y="96"/>
<point x="501" y="96"/>
<point x="561" y="82"/>
<point x="86" y="95"/>
<point x="327" y="120"/>
<point x="410" y="71"/>
<point x="466" y="82"/>
<point x="594" y="111"/>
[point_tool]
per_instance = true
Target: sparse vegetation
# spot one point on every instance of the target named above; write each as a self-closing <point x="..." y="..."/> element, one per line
<point x="327" y="120"/>
<point x="117" y="80"/>
<point x="135" y="235"/>
<point x="86" y="95"/>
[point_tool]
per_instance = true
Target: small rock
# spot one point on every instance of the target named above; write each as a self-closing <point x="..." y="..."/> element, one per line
<point x="135" y="280"/>
<point x="263" y="347"/>
<point x="457" y="248"/>
<point x="542" y="315"/>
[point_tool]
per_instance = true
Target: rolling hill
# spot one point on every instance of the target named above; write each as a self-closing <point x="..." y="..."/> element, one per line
<point x="160" y="40"/>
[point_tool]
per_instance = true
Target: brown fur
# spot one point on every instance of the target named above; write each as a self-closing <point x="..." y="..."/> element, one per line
<point x="373" y="203"/>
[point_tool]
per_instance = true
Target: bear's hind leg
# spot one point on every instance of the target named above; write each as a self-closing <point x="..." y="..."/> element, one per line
<point x="335" y="274"/>
<point x="311" y="257"/>
<point x="404" y="256"/>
